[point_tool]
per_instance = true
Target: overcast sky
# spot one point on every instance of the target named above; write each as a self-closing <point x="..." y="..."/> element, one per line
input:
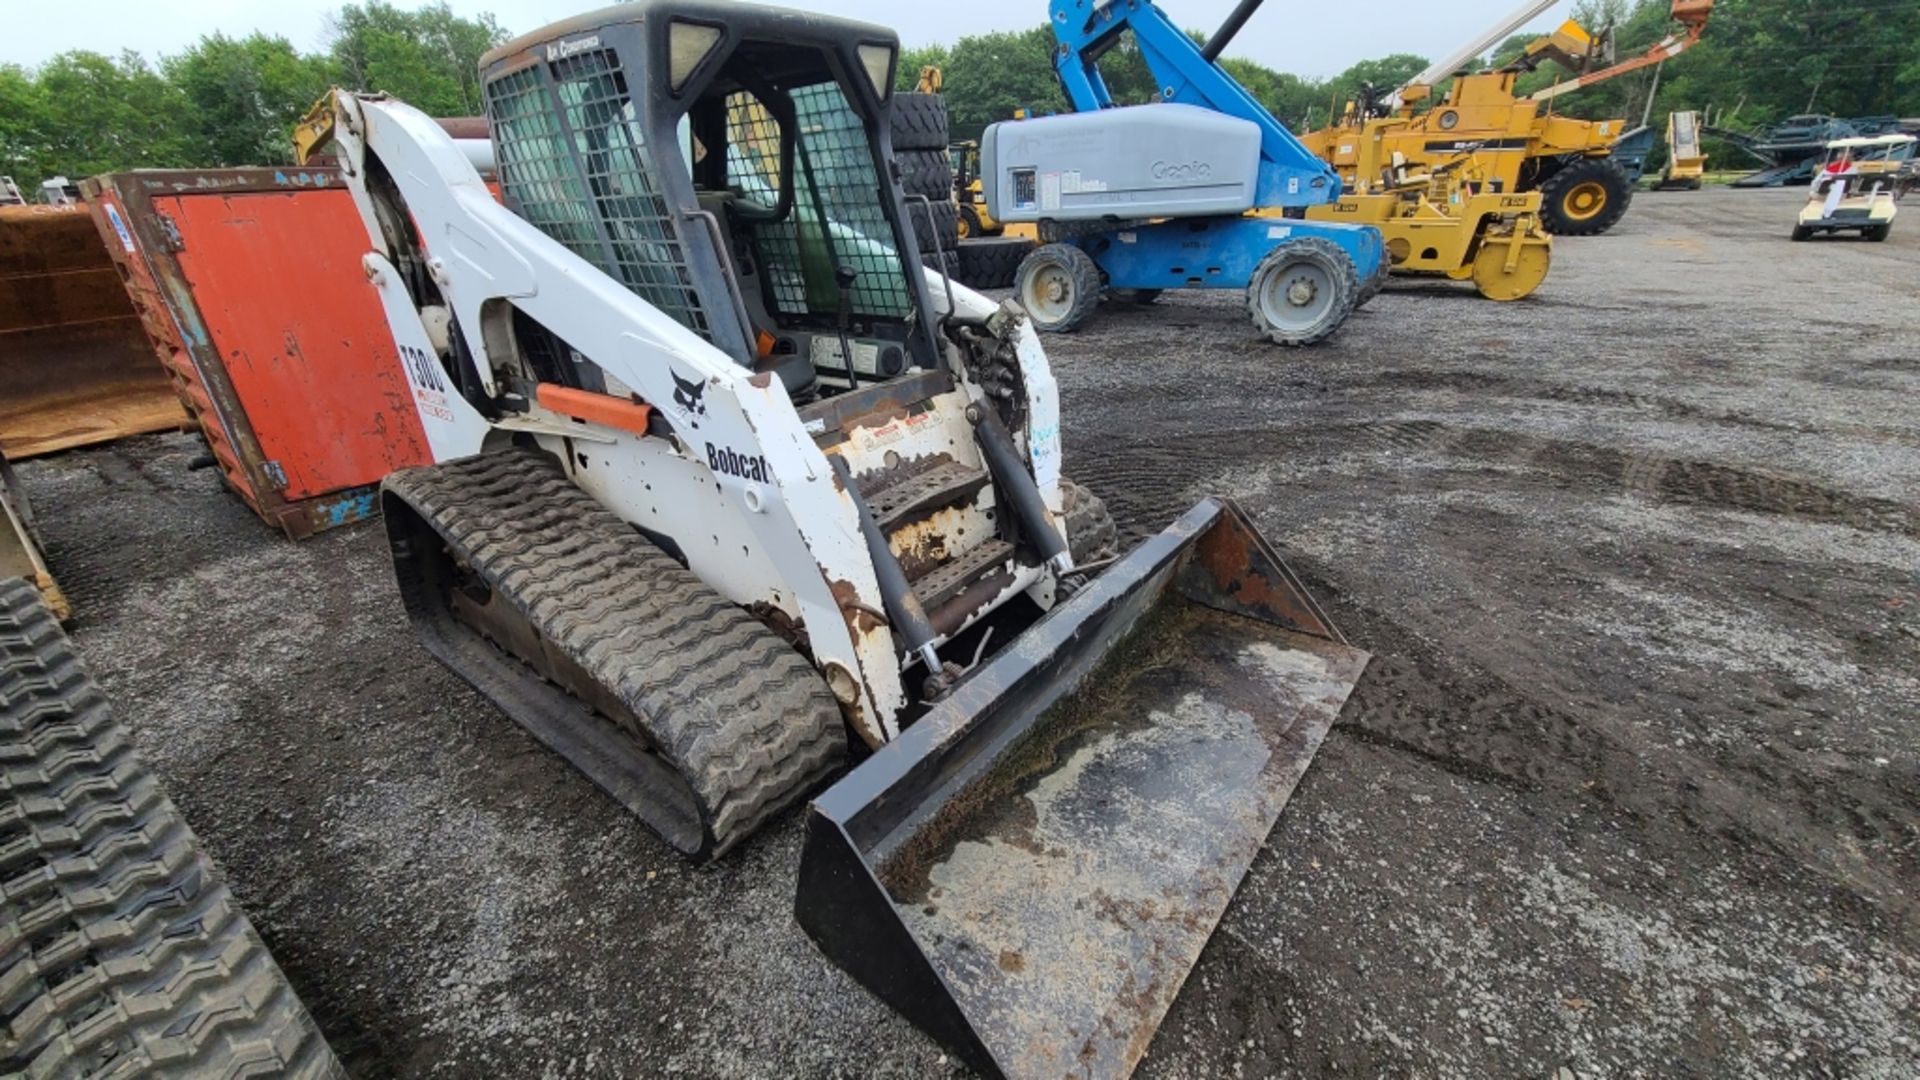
<point x="1306" y="38"/>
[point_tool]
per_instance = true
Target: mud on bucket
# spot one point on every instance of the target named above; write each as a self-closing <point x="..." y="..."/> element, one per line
<point x="1029" y="872"/>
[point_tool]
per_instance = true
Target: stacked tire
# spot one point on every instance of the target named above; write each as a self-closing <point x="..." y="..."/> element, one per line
<point x="919" y="123"/>
<point x="990" y="262"/>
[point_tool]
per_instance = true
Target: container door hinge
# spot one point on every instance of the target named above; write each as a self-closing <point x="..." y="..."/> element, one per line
<point x="169" y="233"/>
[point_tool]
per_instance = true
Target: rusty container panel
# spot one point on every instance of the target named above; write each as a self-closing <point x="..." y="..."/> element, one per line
<point x="75" y="365"/>
<point x="276" y="277"/>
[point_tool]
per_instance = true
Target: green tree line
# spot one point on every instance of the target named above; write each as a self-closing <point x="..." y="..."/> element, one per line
<point x="231" y="101"/>
<point x="1759" y="62"/>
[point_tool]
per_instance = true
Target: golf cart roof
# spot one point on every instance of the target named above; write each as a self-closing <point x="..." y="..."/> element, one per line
<point x="1876" y="140"/>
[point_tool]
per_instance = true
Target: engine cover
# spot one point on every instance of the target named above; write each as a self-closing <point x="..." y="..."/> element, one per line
<point x="1143" y="161"/>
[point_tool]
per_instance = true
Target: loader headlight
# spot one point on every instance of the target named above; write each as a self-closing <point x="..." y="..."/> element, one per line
<point x="687" y="44"/>
<point x="878" y="62"/>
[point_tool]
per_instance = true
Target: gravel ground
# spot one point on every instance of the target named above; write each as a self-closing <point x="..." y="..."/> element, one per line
<point x="1631" y="787"/>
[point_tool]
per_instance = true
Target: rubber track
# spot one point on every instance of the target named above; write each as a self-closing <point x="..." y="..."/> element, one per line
<point x="742" y="717"/>
<point x="122" y="952"/>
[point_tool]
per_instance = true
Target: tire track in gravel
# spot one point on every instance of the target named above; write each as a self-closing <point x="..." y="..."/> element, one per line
<point x="1476" y="725"/>
<point x="1145" y="480"/>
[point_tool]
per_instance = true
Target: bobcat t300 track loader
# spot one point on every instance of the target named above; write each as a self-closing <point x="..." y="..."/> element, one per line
<point x="730" y="488"/>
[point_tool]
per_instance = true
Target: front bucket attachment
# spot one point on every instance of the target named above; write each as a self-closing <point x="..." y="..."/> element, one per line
<point x="1030" y="870"/>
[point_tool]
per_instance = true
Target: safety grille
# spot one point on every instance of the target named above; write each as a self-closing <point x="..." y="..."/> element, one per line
<point x="583" y="176"/>
<point x="837" y="218"/>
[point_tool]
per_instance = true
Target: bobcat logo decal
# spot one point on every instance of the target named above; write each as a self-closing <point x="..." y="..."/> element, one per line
<point x="690" y="395"/>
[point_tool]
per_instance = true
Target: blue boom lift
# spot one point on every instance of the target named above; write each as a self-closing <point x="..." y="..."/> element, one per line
<point x="1134" y="200"/>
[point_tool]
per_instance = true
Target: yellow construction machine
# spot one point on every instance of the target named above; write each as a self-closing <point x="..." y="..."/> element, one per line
<point x="1519" y="143"/>
<point x="975" y="218"/>
<point x="1443" y="221"/>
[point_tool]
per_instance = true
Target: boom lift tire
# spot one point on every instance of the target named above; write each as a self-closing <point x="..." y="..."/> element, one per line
<point x="925" y="172"/>
<point x="1302" y="291"/>
<point x="1376" y="284"/>
<point x="919" y="122"/>
<point x="123" y="952"/>
<point x="1059" y="285"/>
<point x="696" y="716"/>
<point x="1584" y="197"/>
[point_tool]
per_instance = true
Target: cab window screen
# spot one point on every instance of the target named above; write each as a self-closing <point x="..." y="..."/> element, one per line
<point x="584" y="176"/>
<point x="837" y="217"/>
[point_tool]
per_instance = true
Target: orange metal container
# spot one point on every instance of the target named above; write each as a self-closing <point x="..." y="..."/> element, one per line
<point x="250" y="286"/>
<point x="75" y="367"/>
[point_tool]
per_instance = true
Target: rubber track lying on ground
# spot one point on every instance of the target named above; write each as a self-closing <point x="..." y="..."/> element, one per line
<point x="742" y="717"/>
<point x="122" y="952"/>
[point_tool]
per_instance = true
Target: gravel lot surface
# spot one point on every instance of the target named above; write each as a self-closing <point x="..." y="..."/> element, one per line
<point x="1632" y="786"/>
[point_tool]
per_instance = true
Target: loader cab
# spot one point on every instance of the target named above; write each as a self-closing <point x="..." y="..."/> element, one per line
<point x="727" y="163"/>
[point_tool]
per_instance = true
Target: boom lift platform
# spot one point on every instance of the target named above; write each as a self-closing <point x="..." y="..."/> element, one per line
<point x="1139" y="199"/>
<point x="725" y="484"/>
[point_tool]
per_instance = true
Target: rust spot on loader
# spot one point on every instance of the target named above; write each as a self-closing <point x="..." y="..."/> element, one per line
<point x="861" y="619"/>
<point x="1229" y="556"/>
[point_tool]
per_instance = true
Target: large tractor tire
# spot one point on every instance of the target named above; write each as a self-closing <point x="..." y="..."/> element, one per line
<point x="919" y="122"/>
<point x="1302" y="291"/>
<point x="1584" y="198"/>
<point x="1060" y="286"/>
<point x="122" y="951"/>
<point x="925" y="172"/>
<point x="948" y="262"/>
<point x="693" y="714"/>
<point x="945" y="217"/>
<point x="991" y="262"/>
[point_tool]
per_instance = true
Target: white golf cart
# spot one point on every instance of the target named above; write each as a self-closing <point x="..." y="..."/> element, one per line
<point x="1857" y="187"/>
